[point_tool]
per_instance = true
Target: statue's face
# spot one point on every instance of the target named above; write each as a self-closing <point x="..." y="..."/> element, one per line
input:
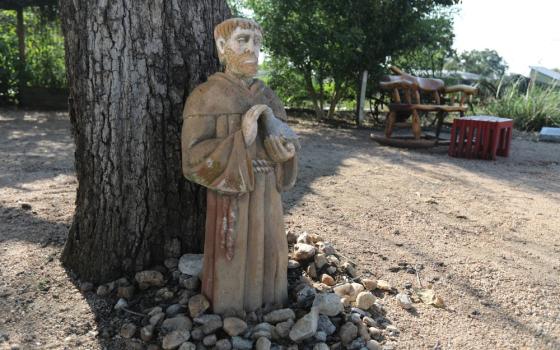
<point x="241" y="52"/>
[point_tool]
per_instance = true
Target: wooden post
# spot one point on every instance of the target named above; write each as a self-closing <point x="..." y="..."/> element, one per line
<point x="362" y="98"/>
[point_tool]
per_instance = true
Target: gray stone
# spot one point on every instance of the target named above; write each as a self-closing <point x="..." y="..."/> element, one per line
<point x="325" y="325"/>
<point x="191" y="264"/>
<point x="348" y="332"/>
<point x="263" y="344"/>
<point x="197" y="333"/>
<point x="303" y="251"/>
<point x="321" y="346"/>
<point x="370" y="322"/>
<point x="279" y="316"/>
<point x="326" y="248"/>
<point x="210" y="323"/>
<point x="103" y="290"/>
<point x="292" y="264"/>
<point x="189" y="282"/>
<point x="360" y="312"/>
<point x="357" y="344"/>
<point x="171" y="263"/>
<point x="128" y="330"/>
<point x="549" y="134"/>
<point x="174" y="309"/>
<point x="198" y="304"/>
<point x="241" y="344"/>
<point x="404" y="301"/>
<point x="282" y="329"/>
<point x="373" y="345"/>
<point x="149" y="278"/>
<point x="305" y="327"/>
<point x="86" y="286"/>
<point x="320" y="260"/>
<point x="350" y="269"/>
<point x="154" y="310"/>
<point x="306" y="295"/>
<point x="210" y="340"/>
<point x="223" y="344"/>
<point x="187" y="346"/>
<point x="147" y="333"/>
<point x="321" y="336"/>
<point x="126" y="292"/>
<point x="374" y="331"/>
<point x="157" y="318"/>
<point x="363" y="331"/>
<point x="177" y="323"/>
<point x="164" y="294"/>
<point x="328" y="304"/>
<point x="174" y="339"/>
<point x="355" y="318"/>
<point x="234" y="326"/>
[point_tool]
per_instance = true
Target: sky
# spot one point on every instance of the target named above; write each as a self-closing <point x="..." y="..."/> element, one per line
<point x="524" y="33"/>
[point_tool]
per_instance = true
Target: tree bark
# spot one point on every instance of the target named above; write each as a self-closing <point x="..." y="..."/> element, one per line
<point x="130" y="66"/>
<point x="313" y="94"/>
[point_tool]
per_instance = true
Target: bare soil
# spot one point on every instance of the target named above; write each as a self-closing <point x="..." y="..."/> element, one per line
<point x="484" y="234"/>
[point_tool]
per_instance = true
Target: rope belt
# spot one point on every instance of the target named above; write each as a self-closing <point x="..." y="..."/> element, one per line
<point x="262" y="166"/>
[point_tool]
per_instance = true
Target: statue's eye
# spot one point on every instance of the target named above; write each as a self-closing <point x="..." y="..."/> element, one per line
<point x="242" y="39"/>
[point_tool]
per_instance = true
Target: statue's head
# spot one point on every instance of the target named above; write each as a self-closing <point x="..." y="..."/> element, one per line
<point x="239" y="43"/>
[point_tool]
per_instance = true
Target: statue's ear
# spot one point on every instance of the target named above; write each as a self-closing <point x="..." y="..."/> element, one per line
<point x="221" y="45"/>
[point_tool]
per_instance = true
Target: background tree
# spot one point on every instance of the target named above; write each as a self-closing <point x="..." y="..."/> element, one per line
<point x="131" y="65"/>
<point x="337" y="40"/>
<point x="487" y="63"/>
<point x="436" y="32"/>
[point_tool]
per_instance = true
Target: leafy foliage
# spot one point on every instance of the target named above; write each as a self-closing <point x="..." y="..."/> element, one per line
<point x="531" y="110"/>
<point x="44" y="46"/>
<point x="336" y="40"/>
<point x="487" y="63"/>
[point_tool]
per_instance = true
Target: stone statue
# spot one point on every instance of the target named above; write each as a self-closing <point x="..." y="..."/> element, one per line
<point x="235" y="142"/>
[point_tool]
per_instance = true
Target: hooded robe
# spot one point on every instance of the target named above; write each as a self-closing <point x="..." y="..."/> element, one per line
<point x="245" y="247"/>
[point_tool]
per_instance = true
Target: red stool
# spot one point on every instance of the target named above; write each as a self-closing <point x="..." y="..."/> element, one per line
<point x="481" y="137"/>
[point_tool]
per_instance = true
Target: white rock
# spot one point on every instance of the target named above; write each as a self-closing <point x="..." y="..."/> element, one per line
<point x="303" y="251"/>
<point x="404" y="301"/>
<point x="191" y="264"/>
<point x="328" y="304"/>
<point x="384" y="285"/>
<point x="304" y="238"/>
<point x="121" y="304"/>
<point x="234" y="326"/>
<point x="365" y="300"/>
<point x="281" y="315"/>
<point x="305" y="327"/>
<point x="174" y="339"/>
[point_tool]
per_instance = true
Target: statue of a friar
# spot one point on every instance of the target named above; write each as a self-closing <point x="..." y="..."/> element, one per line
<point x="236" y="143"/>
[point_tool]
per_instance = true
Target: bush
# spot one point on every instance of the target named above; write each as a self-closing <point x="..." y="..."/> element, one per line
<point x="538" y="107"/>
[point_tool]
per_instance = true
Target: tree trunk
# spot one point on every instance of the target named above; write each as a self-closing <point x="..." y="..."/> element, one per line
<point x="130" y="66"/>
<point x="313" y="94"/>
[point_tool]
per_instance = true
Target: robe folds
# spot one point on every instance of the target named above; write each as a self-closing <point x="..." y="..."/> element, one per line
<point x="245" y="247"/>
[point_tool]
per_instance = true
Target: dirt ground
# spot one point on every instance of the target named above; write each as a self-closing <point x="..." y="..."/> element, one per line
<point x="485" y="234"/>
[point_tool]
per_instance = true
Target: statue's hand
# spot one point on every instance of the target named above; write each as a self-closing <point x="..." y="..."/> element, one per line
<point x="249" y="125"/>
<point x="278" y="149"/>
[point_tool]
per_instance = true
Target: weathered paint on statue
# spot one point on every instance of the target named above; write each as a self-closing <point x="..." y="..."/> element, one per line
<point x="235" y="142"/>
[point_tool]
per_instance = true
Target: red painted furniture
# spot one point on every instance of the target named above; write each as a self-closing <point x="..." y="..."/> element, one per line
<point x="481" y="137"/>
